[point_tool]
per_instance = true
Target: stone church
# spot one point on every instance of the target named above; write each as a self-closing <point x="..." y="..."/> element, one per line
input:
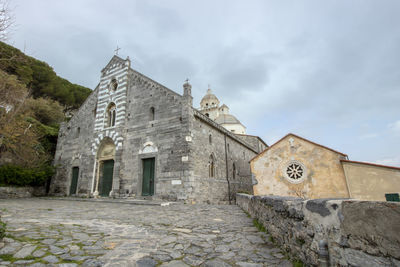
<point x="133" y="137"/>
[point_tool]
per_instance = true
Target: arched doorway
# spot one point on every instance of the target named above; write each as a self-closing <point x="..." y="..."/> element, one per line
<point x="105" y="170"/>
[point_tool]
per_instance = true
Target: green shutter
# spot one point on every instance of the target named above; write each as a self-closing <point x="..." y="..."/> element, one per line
<point x="392" y="197"/>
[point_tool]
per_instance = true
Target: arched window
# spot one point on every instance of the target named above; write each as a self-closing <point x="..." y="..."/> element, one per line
<point x="210" y="139"/>
<point x="111" y="115"/>
<point x="152" y="112"/>
<point x="234" y="171"/>
<point x="211" y="170"/>
<point x="113" y="84"/>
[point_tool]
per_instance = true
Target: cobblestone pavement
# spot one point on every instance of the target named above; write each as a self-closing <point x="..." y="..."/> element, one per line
<point x="45" y="232"/>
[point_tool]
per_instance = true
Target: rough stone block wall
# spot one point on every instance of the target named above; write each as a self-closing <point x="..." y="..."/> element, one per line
<point x="254" y="141"/>
<point x="357" y="233"/>
<point x="226" y="152"/>
<point x="165" y="131"/>
<point x="74" y="150"/>
<point x="21" y="192"/>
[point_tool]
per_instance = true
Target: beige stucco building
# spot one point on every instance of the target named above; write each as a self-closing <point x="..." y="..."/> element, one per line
<point x="295" y="166"/>
<point x="370" y="181"/>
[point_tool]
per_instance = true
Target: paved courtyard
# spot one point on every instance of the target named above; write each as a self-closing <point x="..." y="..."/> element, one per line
<point x="48" y="232"/>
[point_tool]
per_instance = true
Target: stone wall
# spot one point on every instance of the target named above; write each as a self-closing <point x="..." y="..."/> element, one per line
<point x="231" y="159"/>
<point x="357" y="233"/>
<point x="74" y="150"/>
<point x="21" y="192"/>
<point x="254" y="141"/>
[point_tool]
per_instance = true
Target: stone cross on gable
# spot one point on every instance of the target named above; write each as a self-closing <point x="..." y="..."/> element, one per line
<point x="116" y="50"/>
<point x="291" y="141"/>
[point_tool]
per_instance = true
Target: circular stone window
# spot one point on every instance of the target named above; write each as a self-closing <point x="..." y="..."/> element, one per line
<point x="113" y="85"/>
<point x="295" y="171"/>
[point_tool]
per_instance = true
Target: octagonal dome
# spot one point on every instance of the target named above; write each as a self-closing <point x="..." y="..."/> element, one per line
<point x="209" y="100"/>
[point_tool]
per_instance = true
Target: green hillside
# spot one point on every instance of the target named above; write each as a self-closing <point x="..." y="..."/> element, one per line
<point x="40" y="78"/>
<point x="33" y="101"/>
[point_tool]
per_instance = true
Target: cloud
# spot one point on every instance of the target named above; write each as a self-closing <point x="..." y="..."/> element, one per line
<point x="395" y="127"/>
<point x="316" y="68"/>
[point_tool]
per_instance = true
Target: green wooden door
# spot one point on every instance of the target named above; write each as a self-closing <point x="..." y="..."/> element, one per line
<point x="107" y="178"/>
<point x="74" y="181"/>
<point x="148" y="177"/>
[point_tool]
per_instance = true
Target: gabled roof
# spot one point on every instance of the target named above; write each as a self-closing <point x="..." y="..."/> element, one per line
<point x="302" y="138"/>
<point x="370" y="164"/>
<point x="116" y="60"/>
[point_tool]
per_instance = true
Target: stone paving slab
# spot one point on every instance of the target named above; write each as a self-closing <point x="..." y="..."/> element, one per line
<point x="51" y="232"/>
<point x="130" y="201"/>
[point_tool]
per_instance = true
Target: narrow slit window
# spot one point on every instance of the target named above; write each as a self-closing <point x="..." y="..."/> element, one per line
<point x="211" y="167"/>
<point x="152" y="114"/>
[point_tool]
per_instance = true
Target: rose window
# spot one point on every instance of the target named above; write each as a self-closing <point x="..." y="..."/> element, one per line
<point x="294" y="171"/>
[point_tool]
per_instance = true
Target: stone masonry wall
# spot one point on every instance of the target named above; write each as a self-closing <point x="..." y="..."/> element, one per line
<point x="357" y="233"/>
<point x="254" y="141"/>
<point x="74" y="149"/>
<point x="152" y="121"/>
<point x="165" y="132"/>
<point x="227" y="152"/>
<point x="21" y="192"/>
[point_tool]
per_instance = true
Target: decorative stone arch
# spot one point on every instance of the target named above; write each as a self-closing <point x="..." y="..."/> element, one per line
<point x="104" y="168"/>
<point x="148" y="147"/>
<point x="113" y="135"/>
<point x="110" y="136"/>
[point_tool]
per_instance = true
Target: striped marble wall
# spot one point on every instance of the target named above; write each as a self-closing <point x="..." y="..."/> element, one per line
<point x="117" y="69"/>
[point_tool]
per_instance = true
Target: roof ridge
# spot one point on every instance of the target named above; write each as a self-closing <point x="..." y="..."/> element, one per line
<point x="302" y="138"/>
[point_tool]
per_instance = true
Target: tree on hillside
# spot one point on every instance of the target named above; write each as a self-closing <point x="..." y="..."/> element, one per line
<point x="6" y="20"/>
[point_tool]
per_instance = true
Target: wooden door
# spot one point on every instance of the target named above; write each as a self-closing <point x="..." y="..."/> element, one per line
<point x="74" y="181"/>
<point x="107" y="178"/>
<point x="148" y="177"/>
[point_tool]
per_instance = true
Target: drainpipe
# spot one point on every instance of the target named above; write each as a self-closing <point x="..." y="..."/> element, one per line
<point x="227" y="179"/>
<point x="323" y="254"/>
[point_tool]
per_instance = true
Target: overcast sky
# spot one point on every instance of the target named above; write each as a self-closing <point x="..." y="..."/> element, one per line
<point x="326" y="70"/>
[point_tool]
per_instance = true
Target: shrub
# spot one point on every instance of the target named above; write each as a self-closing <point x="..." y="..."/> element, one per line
<point x="2" y="229"/>
<point x="20" y="176"/>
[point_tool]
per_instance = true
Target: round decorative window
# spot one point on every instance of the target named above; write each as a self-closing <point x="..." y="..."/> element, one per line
<point x="113" y="85"/>
<point x="295" y="171"/>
